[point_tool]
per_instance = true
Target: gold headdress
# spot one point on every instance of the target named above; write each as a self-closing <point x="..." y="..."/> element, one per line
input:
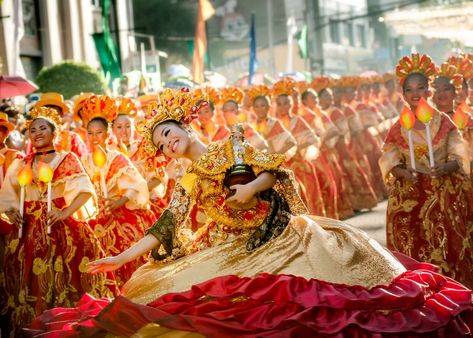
<point x="259" y="90"/>
<point x="302" y="86"/>
<point x="177" y="105"/>
<point x="319" y="83"/>
<point x="450" y="72"/>
<point x="415" y="64"/>
<point x="232" y="94"/>
<point x="209" y="93"/>
<point x="283" y="87"/>
<point x="463" y="64"/>
<point x="126" y="106"/>
<point x="100" y="106"/>
<point x="49" y="114"/>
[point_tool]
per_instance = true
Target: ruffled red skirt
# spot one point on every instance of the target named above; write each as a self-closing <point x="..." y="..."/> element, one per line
<point x="418" y="303"/>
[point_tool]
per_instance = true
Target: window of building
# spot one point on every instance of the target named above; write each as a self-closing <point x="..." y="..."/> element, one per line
<point x="348" y="33"/>
<point x="361" y="32"/>
<point x="334" y="31"/>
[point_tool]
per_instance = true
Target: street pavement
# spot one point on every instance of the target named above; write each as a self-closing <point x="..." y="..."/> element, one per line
<point x="372" y="222"/>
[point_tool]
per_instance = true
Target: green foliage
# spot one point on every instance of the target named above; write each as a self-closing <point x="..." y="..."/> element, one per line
<point x="70" y="78"/>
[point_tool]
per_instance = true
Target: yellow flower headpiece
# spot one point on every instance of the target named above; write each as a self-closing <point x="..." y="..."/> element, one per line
<point x="450" y="72"/>
<point x="126" y="106"/>
<point x="259" y="90"/>
<point x="283" y="87"/>
<point x="464" y="65"/>
<point x="49" y="114"/>
<point x="210" y="94"/>
<point x="232" y="94"/>
<point x="415" y="64"/>
<point x="177" y="105"/>
<point x="319" y="83"/>
<point x="100" y="106"/>
<point x="349" y="81"/>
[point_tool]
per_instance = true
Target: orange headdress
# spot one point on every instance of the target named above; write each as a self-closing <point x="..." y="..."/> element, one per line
<point x="319" y="83"/>
<point x="209" y="93"/>
<point x="232" y="94"/>
<point x="126" y="106"/>
<point x="463" y="64"/>
<point x="177" y="105"/>
<point x="100" y="106"/>
<point x="415" y="64"/>
<point x="259" y="90"/>
<point x="47" y="113"/>
<point x="302" y="86"/>
<point x="450" y="72"/>
<point x="284" y="86"/>
<point x="349" y="81"/>
<point x="79" y="104"/>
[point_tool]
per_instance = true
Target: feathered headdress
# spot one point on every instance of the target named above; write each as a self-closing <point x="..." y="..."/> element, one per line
<point x="209" y="93"/>
<point x="450" y="72"/>
<point x="415" y="64"/>
<point x="319" y="83"/>
<point x="232" y="94"/>
<point x="259" y="90"/>
<point x="126" y="106"/>
<point x="463" y="64"/>
<point x="102" y="106"/>
<point x="284" y="86"/>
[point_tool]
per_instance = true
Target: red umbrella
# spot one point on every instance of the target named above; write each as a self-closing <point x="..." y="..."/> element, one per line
<point x="15" y="86"/>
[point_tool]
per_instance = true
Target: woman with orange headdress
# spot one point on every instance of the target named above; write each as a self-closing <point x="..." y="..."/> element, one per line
<point x="261" y="266"/>
<point x="340" y="204"/>
<point x="232" y="97"/>
<point x="78" y="119"/>
<point x="427" y="215"/>
<point x="353" y="164"/>
<point x="123" y="193"/>
<point x="67" y="140"/>
<point x="307" y="146"/>
<point x="47" y="251"/>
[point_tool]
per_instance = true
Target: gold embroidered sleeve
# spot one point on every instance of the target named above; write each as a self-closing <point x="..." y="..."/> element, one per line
<point x="171" y="222"/>
<point x="260" y="161"/>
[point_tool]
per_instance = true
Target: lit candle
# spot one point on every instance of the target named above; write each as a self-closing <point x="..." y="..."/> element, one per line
<point x="45" y="174"/>
<point x="407" y="122"/>
<point x="25" y="177"/>
<point x="99" y="157"/>
<point x="424" y="113"/>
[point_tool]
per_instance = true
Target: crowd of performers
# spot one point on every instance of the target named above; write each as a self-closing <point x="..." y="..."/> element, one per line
<point x="341" y="137"/>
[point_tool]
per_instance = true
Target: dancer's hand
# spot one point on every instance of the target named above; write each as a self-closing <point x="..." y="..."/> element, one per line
<point x="57" y="215"/>
<point x="444" y="169"/>
<point x="14" y="217"/>
<point x="105" y="264"/>
<point x="407" y="174"/>
<point x="243" y="193"/>
<point x="115" y="204"/>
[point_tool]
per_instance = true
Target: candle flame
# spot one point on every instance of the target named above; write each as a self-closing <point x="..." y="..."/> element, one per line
<point x="407" y="118"/>
<point x="45" y="172"/>
<point x="465" y="107"/>
<point x="25" y="176"/>
<point x="99" y="156"/>
<point x="2" y="159"/>
<point x="460" y="118"/>
<point x="424" y="111"/>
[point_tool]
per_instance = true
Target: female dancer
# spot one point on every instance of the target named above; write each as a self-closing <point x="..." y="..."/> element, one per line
<point x="427" y="216"/>
<point x="45" y="260"/>
<point x="262" y="266"/>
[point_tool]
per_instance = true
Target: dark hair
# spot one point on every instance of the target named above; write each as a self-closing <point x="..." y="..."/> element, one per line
<point x="58" y="108"/>
<point x="323" y="90"/>
<point x="261" y="97"/>
<point x="49" y="123"/>
<point x="421" y="76"/>
<point x="101" y="120"/>
<point x="306" y="93"/>
<point x="4" y="129"/>
<point x="452" y="87"/>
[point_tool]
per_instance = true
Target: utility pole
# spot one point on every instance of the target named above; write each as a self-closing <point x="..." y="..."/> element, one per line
<point x="315" y="30"/>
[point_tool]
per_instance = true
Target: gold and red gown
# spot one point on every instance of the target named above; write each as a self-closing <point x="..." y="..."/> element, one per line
<point x="428" y="220"/>
<point x="126" y="225"/>
<point x="83" y="134"/>
<point x="302" y="162"/>
<point x="268" y="271"/>
<point x="369" y="144"/>
<point x="41" y="270"/>
<point x="326" y="130"/>
<point x="359" y="189"/>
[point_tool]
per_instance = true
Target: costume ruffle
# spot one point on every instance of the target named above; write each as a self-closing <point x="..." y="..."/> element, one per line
<point x="419" y="303"/>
